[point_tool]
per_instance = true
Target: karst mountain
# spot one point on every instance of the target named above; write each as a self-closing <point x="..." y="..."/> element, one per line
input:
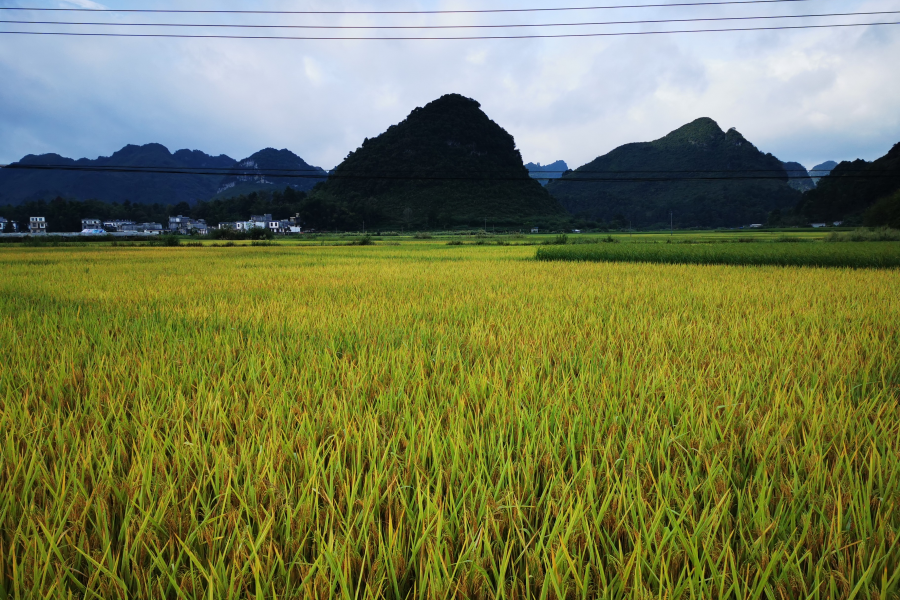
<point x="696" y="176"/>
<point x="446" y="164"/>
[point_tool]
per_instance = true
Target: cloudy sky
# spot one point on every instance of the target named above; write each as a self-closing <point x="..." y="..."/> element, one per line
<point x="804" y="95"/>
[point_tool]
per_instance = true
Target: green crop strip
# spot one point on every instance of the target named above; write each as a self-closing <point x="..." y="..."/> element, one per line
<point x="858" y="255"/>
<point x="430" y="421"/>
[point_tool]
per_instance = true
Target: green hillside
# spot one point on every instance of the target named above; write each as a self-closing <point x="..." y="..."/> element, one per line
<point x="644" y="182"/>
<point x="852" y="188"/>
<point x="446" y="164"/>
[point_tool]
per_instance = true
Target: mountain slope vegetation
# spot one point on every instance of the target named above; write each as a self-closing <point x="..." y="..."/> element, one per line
<point x="269" y="170"/>
<point x="446" y="164"/>
<point x="852" y="188"/>
<point x="646" y="182"/>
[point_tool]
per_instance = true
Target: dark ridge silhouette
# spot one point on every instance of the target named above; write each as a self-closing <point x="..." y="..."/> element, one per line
<point x="445" y="164"/>
<point x="676" y="161"/>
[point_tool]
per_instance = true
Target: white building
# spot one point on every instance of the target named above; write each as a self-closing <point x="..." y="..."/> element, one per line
<point x="818" y="225"/>
<point x="3" y="224"/>
<point x="115" y="225"/>
<point x="37" y="225"/>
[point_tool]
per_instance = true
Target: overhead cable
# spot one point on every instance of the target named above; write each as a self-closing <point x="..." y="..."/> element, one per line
<point x="520" y="177"/>
<point x="409" y="38"/>
<point x="395" y="12"/>
<point x="506" y="26"/>
<point x="247" y="171"/>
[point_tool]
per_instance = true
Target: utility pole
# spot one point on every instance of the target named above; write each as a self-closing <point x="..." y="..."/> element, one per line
<point x="671" y="223"/>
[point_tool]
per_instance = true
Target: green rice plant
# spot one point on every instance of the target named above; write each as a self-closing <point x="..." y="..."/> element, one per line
<point x="882" y="234"/>
<point x="419" y="421"/>
<point x="846" y="254"/>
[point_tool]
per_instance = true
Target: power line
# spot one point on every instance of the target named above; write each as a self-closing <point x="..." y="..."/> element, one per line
<point x="176" y="171"/>
<point x="474" y="37"/>
<point x="238" y="170"/>
<point x="393" y="12"/>
<point x="344" y="27"/>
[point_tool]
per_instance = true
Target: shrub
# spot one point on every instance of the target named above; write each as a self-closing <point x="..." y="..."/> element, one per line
<point x="365" y="240"/>
<point x="788" y="239"/>
<point x="167" y="240"/>
<point x="259" y="233"/>
<point x="560" y="240"/>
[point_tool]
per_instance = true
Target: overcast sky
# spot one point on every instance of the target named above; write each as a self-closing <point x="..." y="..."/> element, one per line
<point x="806" y="96"/>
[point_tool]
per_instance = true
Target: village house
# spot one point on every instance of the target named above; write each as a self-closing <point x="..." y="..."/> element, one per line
<point x="261" y="221"/>
<point x="91" y="224"/>
<point x="116" y="224"/>
<point x="143" y="228"/>
<point x="187" y="225"/>
<point x="3" y="224"/>
<point x="282" y="226"/>
<point x="37" y="225"/>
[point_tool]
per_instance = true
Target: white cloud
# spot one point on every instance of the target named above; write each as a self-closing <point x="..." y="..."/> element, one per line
<point x="82" y="4"/>
<point x="803" y="95"/>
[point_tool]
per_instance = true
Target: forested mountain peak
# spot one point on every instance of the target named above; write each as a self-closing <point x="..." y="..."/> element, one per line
<point x="698" y="175"/>
<point x="446" y="163"/>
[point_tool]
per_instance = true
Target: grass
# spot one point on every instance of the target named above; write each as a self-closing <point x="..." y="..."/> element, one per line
<point x="835" y="254"/>
<point x="425" y="421"/>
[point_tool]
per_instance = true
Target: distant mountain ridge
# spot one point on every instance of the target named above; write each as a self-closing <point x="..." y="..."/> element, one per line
<point x="18" y="185"/>
<point x="268" y="168"/>
<point x="822" y="170"/>
<point x="697" y="175"/>
<point x="446" y="164"/>
<point x="544" y="173"/>
<point x="219" y="176"/>
<point x="799" y="178"/>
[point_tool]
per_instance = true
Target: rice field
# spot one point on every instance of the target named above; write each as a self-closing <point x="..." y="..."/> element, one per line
<point x="833" y="254"/>
<point x="427" y="421"/>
